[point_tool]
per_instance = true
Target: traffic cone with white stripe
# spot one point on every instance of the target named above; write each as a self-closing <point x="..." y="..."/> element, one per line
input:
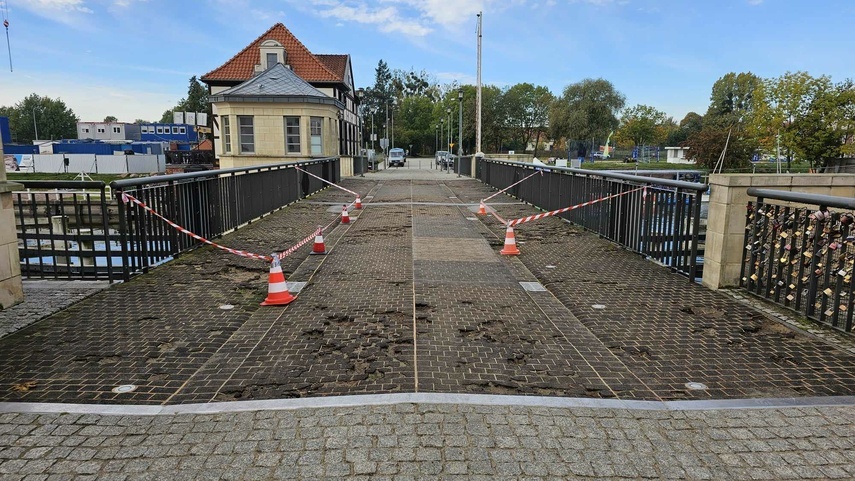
<point x="319" y="248"/>
<point x="345" y="217"/>
<point x="358" y="202"/>
<point x="482" y="210"/>
<point x="510" y="244"/>
<point x="277" y="288"/>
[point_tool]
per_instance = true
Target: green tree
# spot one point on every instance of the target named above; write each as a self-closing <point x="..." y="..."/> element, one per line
<point x="196" y="101"/>
<point x="691" y="123"/>
<point x="586" y="110"/>
<point x="643" y="125"/>
<point x="527" y="108"/>
<point x="141" y="121"/>
<point x="51" y="117"/>
<point x="800" y="113"/>
<point x="732" y="99"/>
<point x="109" y="119"/>
<point x="706" y="146"/>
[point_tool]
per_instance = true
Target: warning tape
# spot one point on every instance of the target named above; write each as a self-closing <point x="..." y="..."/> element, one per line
<point x="328" y="182"/>
<point x="530" y="218"/>
<point x="515" y="183"/>
<point x="495" y="214"/>
<point x="129" y="198"/>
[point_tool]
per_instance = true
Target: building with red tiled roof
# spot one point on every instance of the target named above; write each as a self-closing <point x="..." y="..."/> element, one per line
<point x="329" y="75"/>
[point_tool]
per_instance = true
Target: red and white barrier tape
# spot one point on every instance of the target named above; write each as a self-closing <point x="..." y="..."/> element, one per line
<point x="129" y="198"/>
<point x="328" y="182"/>
<point x="530" y="218"/>
<point x="495" y="214"/>
<point x="515" y="183"/>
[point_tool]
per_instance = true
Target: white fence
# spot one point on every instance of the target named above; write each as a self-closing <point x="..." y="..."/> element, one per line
<point x="93" y="164"/>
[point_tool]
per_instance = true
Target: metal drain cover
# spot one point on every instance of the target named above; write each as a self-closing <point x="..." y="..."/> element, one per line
<point x="696" y="386"/>
<point x="227" y="307"/>
<point x="533" y="286"/>
<point x="550" y="267"/>
<point x="598" y="306"/>
<point x="124" y="388"/>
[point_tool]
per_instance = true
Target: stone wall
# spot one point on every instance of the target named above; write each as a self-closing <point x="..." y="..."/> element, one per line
<point x="11" y="289"/>
<point x="727" y="208"/>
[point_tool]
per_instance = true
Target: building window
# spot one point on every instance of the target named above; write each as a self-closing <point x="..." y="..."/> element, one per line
<point x="159" y="129"/>
<point x="272" y="59"/>
<point x="247" y="134"/>
<point x="292" y="135"/>
<point x="182" y="130"/>
<point x="175" y="130"/>
<point x="101" y="130"/>
<point x="85" y="131"/>
<point x="117" y="130"/>
<point x="316" y="137"/>
<point x="227" y="135"/>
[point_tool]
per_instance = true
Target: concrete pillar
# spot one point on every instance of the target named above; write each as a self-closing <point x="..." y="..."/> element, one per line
<point x="11" y="289"/>
<point x="727" y="208"/>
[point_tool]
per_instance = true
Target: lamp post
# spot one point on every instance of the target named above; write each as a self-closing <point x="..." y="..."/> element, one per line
<point x="435" y="144"/>
<point x="35" y="127"/>
<point x="459" y="129"/>
<point x="394" y="103"/>
<point x="386" y="130"/>
<point x="450" y="149"/>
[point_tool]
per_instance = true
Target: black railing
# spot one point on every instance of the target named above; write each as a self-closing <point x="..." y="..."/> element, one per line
<point x="662" y="222"/>
<point x="66" y="230"/>
<point x="802" y="257"/>
<point x="77" y="230"/>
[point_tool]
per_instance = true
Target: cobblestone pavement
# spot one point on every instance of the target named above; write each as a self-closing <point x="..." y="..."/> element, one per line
<point x="43" y="298"/>
<point x="414" y="298"/>
<point x="408" y="441"/>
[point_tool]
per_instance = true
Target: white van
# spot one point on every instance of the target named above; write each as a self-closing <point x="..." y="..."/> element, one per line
<point x="396" y="157"/>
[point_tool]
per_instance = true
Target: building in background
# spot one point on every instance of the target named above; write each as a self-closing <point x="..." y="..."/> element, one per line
<point x="276" y="100"/>
<point x="108" y="131"/>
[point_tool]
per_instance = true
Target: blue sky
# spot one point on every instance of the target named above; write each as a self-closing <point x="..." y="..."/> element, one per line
<point x="133" y="58"/>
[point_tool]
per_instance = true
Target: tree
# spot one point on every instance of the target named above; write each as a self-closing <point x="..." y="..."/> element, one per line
<point x="51" y="117"/>
<point x="377" y="99"/>
<point x="732" y="99"/>
<point x="801" y="114"/>
<point x="196" y="101"/>
<point x="110" y="119"/>
<point x="586" y="110"/>
<point x="643" y="125"/>
<point x="706" y="146"/>
<point x="690" y="124"/>
<point x="141" y="121"/>
<point x="528" y="112"/>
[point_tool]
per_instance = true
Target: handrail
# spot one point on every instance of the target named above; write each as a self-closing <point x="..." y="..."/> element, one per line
<point x="61" y="184"/>
<point x="119" y="184"/>
<point x="803" y="198"/>
<point x="609" y="175"/>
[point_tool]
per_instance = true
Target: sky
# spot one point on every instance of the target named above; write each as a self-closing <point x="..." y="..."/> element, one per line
<point x="133" y="58"/>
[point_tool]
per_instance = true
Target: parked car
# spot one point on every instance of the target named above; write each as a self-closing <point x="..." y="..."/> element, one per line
<point x="440" y="156"/>
<point x="449" y="160"/>
<point x="396" y="157"/>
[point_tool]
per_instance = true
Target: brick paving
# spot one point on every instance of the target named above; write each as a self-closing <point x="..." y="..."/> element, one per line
<point x="413" y="297"/>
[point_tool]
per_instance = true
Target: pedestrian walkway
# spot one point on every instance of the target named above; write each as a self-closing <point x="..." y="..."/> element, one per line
<point x="413" y="300"/>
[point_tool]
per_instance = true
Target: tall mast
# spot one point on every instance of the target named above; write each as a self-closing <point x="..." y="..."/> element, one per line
<point x="478" y="94"/>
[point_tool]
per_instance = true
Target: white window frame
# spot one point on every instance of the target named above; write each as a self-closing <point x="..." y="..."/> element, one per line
<point x="160" y="130"/>
<point x="246" y="134"/>
<point x="316" y="140"/>
<point x="292" y="135"/>
<point x="227" y="135"/>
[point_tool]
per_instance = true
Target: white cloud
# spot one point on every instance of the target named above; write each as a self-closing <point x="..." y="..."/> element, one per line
<point x="388" y="19"/>
<point x="755" y="2"/>
<point x="70" y="12"/>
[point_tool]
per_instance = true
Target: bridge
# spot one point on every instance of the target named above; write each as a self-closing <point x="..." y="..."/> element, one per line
<point x="414" y="348"/>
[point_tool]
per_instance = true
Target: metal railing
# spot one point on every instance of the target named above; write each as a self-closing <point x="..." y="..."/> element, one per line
<point x="67" y="231"/>
<point x="662" y="222"/>
<point x="802" y="257"/>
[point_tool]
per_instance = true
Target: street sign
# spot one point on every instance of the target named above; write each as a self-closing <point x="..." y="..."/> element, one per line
<point x="384" y="143"/>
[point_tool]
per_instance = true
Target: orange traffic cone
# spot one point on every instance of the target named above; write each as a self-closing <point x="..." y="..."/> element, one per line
<point x="358" y="203"/>
<point x="319" y="248"/>
<point x="510" y="244"/>
<point x="277" y="288"/>
<point x="482" y="210"/>
<point x="345" y="217"/>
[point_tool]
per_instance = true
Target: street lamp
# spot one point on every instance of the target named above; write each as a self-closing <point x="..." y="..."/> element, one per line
<point x="459" y="129"/>
<point x="394" y="103"/>
<point x="450" y="148"/>
<point x="35" y="127"/>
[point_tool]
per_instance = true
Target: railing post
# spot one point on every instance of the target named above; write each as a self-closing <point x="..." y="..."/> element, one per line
<point x="123" y="236"/>
<point x="105" y="224"/>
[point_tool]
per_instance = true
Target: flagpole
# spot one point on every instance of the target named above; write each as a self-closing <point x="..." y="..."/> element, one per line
<point x="478" y="96"/>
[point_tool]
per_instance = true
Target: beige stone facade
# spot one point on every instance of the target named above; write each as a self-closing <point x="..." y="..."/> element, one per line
<point x="11" y="289"/>
<point x="268" y="121"/>
<point x="726" y="222"/>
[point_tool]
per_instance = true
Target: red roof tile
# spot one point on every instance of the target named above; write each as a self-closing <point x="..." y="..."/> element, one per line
<point x="335" y="62"/>
<point x="241" y="67"/>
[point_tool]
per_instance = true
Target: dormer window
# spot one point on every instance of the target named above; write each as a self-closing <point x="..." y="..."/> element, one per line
<point x="271" y="52"/>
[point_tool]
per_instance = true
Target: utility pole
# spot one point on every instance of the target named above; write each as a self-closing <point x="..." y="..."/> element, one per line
<point x="478" y="95"/>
